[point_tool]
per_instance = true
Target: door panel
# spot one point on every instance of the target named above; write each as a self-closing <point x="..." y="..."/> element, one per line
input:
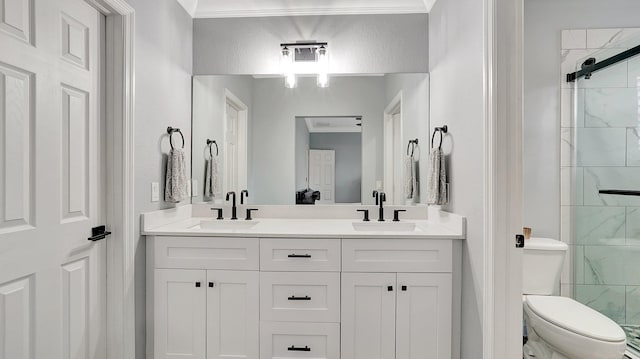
<point x="51" y="162"/>
<point x="423" y="324"/>
<point x="233" y="314"/>
<point x="180" y="313"/>
<point x="322" y="164"/>
<point x="368" y="315"/>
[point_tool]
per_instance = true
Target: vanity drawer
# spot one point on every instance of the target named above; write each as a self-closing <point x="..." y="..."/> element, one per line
<point x="300" y="297"/>
<point x="300" y="254"/>
<point x="397" y="255"/>
<point x="207" y="253"/>
<point x="299" y="340"/>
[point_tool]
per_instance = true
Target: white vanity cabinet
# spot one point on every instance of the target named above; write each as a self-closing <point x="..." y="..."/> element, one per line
<point x="323" y="298"/>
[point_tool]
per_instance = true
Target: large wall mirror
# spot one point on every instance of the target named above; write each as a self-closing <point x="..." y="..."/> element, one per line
<point x="310" y="145"/>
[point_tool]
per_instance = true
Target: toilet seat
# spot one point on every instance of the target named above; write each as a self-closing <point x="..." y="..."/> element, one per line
<point x="575" y="317"/>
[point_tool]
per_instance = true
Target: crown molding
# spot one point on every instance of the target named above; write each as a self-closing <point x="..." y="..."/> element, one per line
<point x="310" y="12"/>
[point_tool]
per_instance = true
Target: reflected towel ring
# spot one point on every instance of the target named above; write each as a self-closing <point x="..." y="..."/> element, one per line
<point x="412" y="144"/>
<point x="170" y="131"/>
<point x="441" y="130"/>
<point x="212" y="142"/>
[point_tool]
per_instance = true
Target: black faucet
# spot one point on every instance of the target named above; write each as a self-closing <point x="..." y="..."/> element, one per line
<point x="383" y="198"/>
<point x="376" y="195"/>
<point x="243" y="193"/>
<point x="234" y="209"/>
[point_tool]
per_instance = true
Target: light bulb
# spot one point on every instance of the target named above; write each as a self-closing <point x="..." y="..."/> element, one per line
<point x="323" y="67"/>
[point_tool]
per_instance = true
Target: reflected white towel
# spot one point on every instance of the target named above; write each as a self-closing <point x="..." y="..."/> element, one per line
<point x="410" y="178"/>
<point x="176" y="180"/>
<point x="437" y="180"/>
<point x="211" y="178"/>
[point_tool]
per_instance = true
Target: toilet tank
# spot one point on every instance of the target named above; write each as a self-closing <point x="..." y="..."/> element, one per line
<point x="542" y="261"/>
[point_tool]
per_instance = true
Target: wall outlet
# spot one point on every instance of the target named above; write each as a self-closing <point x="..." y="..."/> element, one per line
<point x="194" y="188"/>
<point x="155" y="191"/>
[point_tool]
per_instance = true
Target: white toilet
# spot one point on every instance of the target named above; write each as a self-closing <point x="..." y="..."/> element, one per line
<point x="560" y="327"/>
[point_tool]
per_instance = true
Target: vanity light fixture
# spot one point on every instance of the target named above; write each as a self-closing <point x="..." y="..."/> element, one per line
<point x="304" y="58"/>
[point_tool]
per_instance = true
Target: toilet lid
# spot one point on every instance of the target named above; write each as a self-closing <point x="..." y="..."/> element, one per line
<point x="575" y="317"/>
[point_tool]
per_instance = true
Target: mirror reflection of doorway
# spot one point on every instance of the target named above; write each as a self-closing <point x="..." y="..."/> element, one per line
<point x="393" y="179"/>
<point x="329" y="160"/>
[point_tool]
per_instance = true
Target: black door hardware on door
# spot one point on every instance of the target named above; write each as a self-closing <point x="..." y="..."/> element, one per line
<point x="296" y="349"/>
<point x="293" y="297"/>
<point x="98" y="233"/>
<point x="293" y="255"/>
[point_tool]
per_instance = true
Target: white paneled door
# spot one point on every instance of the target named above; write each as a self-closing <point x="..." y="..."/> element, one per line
<point x="322" y="174"/>
<point x="52" y="278"/>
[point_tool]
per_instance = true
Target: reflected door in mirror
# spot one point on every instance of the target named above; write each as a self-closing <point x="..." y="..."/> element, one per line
<point x="322" y="164"/>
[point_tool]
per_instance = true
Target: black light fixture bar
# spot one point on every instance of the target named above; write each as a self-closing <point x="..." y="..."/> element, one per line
<point x="587" y="70"/>
<point x="304" y="44"/>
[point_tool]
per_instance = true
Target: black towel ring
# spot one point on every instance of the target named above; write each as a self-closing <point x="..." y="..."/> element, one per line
<point x="212" y="142"/>
<point x="412" y="144"/>
<point x="170" y="131"/>
<point x="441" y="130"/>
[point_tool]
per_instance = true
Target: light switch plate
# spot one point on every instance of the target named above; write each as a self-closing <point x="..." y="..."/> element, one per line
<point x="194" y="188"/>
<point x="155" y="191"/>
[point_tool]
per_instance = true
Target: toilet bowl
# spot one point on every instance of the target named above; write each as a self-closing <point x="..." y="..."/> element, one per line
<point x="560" y="327"/>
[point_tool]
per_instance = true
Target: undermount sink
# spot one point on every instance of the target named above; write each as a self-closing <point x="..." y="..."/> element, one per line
<point x="384" y="226"/>
<point x="227" y="224"/>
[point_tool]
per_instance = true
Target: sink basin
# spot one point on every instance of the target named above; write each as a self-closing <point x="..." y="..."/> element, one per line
<point x="227" y="224"/>
<point x="384" y="226"/>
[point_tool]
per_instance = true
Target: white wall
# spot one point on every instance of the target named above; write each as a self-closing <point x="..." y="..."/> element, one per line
<point x="302" y="154"/>
<point x="357" y="43"/>
<point x="272" y="167"/>
<point x="163" y="57"/>
<point x="456" y="98"/>
<point x="415" y="118"/>
<point x="209" y="101"/>
<point x="544" y="20"/>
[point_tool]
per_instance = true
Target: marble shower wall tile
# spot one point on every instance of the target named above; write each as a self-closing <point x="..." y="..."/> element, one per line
<point x="600" y="38"/>
<point x="596" y="178"/>
<point x="608" y="300"/>
<point x="571" y="186"/>
<point x="566" y="147"/>
<point x="578" y="273"/>
<point x="570" y="104"/>
<point x="612" y="265"/>
<point x="633" y="227"/>
<point x="611" y="107"/>
<point x="601" y="146"/>
<point x="600" y="225"/>
<point x="632" y="305"/>
<point x="634" y="72"/>
<point x="633" y="146"/>
<point x="574" y="39"/>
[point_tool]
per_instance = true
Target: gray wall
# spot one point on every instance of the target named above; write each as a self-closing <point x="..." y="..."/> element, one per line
<point x="302" y="154"/>
<point x="163" y="52"/>
<point x="415" y="118"/>
<point x="544" y="20"/>
<point x="348" y="150"/>
<point x="357" y="43"/>
<point x="456" y="60"/>
<point x="271" y="169"/>
<point x="209" y="103"/>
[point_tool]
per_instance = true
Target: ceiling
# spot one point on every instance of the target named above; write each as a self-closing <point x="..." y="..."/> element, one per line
<point x="260" y="8"/>
<point x="333" y="124"/>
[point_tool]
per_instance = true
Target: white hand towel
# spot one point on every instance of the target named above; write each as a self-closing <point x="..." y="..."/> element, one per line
<point x="211" y="179"/>
<point x="176" y="179"/>
<point x="437" y="180"/>
<point x="410" y="177"/>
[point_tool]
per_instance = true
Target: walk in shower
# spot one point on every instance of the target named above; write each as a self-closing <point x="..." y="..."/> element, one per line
<point x="601" y="178"/>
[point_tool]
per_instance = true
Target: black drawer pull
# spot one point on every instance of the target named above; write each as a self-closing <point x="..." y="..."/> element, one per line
<point x="296" y="349"/>
<point x="293" y="297"/>
<point x="299" y="255"/>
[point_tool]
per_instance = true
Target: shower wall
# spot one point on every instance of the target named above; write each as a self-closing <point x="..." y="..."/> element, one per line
<point x="600" y="149"/>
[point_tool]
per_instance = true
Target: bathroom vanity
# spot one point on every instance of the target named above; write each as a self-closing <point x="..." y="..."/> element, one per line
<point x="286" y="286"/>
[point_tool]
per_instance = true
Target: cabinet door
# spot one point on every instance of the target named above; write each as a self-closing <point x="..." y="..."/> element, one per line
<point x="423" y="323"/>
<point x="180" y="314"/>
<point x="368" y="315"/>
<point x="233" y="300"/>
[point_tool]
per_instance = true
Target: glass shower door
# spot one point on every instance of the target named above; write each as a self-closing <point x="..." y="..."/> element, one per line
<point x="601" y="209"/>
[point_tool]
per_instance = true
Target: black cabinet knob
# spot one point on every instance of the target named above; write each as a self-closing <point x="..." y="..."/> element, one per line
<point x="390" y="288"/>
<point x="197" y="284"/>
<point x="211" y="285"/>
<point x="404" y="288"/>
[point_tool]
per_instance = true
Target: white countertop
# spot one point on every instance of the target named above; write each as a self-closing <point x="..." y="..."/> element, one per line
<point x="306" y="228"/>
